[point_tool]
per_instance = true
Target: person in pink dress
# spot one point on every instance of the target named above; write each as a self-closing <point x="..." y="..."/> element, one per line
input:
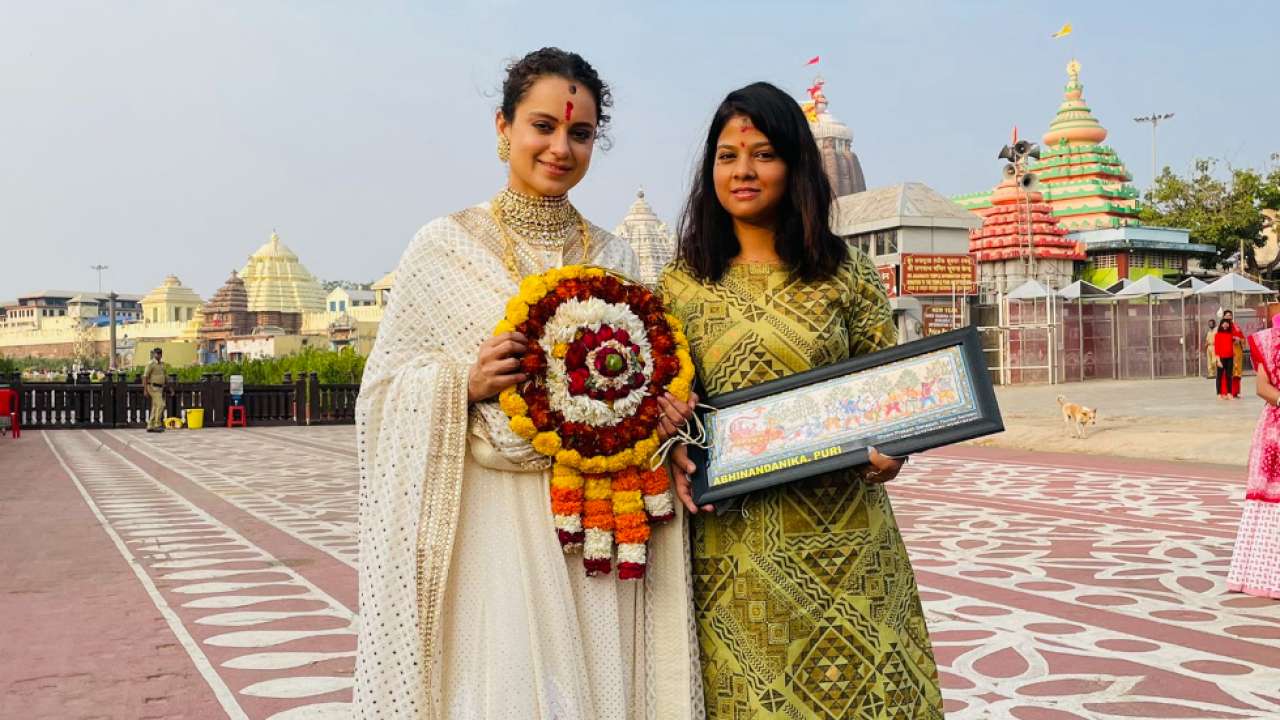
<point x="1255" y="563"/>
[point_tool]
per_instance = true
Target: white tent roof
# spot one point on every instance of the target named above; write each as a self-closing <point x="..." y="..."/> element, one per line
<point x="1192" y="284"/>
<point x="1148" y="285"/>
<point x="1081" y="289"/>
<point x="1233" y="283"/>
<point x="1030" y="290"/>
<point x="1119" y="285"/>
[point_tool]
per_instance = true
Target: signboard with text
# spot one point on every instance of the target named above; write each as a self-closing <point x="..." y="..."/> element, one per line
<point x="937" y="319"/>
<point x="938" y="275"/>
<point x="889" y="278"/>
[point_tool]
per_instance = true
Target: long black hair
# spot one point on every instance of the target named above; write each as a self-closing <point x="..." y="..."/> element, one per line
<point x="803" y="234"/>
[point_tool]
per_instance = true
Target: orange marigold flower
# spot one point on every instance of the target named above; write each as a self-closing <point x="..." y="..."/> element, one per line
<point x="565" y="508"/>
<point x="597" y="514"/>
<point x="566" y="494"/>
<point x="636" y="536"/>
<point x="656" y="482"/>
<point x="631" y="533"/>
<point x="630" y="520"/>
<point x="626" y="479"/>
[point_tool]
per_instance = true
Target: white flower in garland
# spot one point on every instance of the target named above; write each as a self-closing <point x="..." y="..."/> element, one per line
<point x="564" y="329"/>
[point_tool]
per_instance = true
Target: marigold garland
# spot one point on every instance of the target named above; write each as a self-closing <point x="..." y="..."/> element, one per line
<point x="601" y="351"/>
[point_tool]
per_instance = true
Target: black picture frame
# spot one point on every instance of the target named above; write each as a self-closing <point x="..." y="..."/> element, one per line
<point x="984" y="417"/>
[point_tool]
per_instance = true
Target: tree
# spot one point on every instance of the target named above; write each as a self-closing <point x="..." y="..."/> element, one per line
<point x="1224" y="213"/>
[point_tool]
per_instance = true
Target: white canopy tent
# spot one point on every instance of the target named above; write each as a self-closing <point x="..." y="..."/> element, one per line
<point x="1191" y="285"/>
<point x="1030" y="315"/>
<point x="1119" y="285"/>
<point x="1030" y="290"/>
<point x="1234" y="283"/>
<point x="1152" y="288"/>
<point x="1080" y="292"/>
<point x="1238" y="289"/>
<point x="1149" y="285"/>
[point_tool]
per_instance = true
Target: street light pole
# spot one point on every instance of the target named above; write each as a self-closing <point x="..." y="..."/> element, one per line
<point x="1154" y="119"/>
<point x="99" y="268"/>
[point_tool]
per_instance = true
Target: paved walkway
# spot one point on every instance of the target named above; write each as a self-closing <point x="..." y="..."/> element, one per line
<point x="1179" y="419"/>
<point x="213" y="574"/>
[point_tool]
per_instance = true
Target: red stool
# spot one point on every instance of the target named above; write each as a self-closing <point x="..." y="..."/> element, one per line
<point x="235" y="416"/>
<point x="9" y="409"/>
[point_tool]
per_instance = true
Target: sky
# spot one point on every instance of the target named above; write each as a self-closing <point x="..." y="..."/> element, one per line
<point x="173" y="137"/>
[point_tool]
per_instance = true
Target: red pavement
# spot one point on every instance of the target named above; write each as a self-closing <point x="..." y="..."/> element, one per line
<point x="1056" y="586"/>
<point x="81" y="637"/>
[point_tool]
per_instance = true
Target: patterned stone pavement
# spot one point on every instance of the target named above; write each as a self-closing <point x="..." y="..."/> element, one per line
<point x="1055" y="587"/>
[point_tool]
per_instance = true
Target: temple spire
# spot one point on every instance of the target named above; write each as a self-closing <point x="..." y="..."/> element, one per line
<point x="1074" y="123"/>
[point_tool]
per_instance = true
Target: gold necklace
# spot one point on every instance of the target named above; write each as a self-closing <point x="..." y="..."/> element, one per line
<point x="509" y="243"/>
<point x="540" y="221"/>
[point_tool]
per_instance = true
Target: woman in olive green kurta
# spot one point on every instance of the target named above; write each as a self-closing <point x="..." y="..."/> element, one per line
<point x="805" y="599"/>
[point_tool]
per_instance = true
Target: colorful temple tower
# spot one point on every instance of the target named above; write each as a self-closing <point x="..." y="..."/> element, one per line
<point x="1082" y="179"/>
<point x="1087" y="189"/>
<point x="1020" y="239"/>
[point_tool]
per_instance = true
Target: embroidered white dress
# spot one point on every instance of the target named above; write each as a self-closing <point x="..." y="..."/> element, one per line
<point x="469" y="607"/>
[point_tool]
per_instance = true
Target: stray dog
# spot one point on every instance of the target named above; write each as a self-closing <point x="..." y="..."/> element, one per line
<point x="1077" y="415"/>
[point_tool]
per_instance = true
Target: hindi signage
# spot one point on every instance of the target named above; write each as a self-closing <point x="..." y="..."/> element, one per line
<point x="938" y="275"/>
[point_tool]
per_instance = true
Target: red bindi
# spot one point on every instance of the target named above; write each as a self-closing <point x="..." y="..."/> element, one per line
<point x="568" y="111"/>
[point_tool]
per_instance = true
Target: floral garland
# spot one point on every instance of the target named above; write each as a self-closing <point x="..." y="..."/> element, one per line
<point x="601" y="351"/>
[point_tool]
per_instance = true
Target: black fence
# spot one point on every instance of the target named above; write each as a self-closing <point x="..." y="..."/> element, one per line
<point x="119" y="401"/>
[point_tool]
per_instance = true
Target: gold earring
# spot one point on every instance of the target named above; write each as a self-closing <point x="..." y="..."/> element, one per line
<point x="504" y="148"/>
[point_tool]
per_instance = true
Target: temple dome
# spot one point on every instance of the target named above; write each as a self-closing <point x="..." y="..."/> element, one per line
<point x="172" y="292"/>
<point x="653" y="242"/>
<point x="277" y="282"/>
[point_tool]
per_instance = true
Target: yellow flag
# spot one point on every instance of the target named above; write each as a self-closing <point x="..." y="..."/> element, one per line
<point x="1065" y="31"/>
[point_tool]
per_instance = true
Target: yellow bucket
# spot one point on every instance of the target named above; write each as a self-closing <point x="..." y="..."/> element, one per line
<point x="195" y="418"/>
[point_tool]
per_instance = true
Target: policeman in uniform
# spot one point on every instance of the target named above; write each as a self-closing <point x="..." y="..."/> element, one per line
<point x="153" y="382"/>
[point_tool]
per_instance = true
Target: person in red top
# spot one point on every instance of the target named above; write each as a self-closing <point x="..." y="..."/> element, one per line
<point x="1237" y="365"/>
<point x="1224" y="346"/>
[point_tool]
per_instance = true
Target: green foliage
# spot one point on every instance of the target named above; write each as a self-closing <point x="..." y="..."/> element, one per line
<point x="342" y="366"/>
<point x="56" y="365"/>
<point x="1225" y="213"/>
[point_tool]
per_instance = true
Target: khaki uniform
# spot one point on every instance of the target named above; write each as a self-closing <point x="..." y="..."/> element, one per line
<point x="1210" y="356"/>
<point x="153" y="381"/>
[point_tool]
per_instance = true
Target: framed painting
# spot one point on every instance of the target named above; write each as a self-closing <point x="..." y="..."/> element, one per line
<point x="902" y="400"/>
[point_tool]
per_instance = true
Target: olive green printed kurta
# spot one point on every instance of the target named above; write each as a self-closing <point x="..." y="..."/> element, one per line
<point x="806" y="603"/>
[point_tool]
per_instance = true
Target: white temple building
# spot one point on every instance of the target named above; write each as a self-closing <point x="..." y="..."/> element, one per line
<point x="653" y="242"/>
